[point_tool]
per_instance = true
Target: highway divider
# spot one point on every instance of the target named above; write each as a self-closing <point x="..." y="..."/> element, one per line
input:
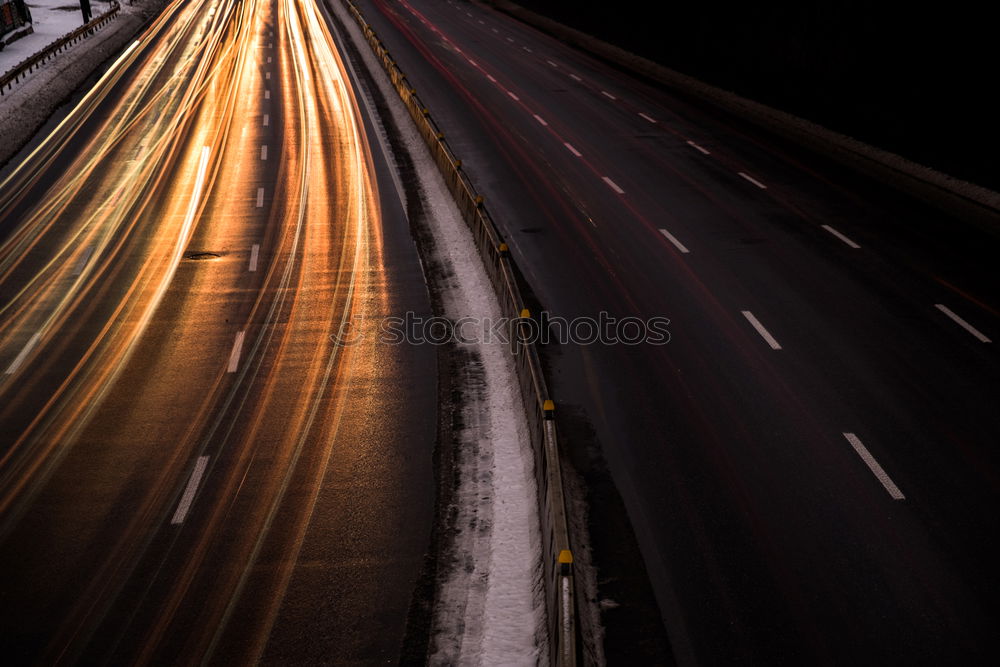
<point x="28" y="65"/>
<point x="557" y="555"/>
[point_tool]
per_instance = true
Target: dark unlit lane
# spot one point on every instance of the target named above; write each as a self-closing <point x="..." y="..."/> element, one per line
<point x="810" y="464"/>
<point x="201" y="460"/>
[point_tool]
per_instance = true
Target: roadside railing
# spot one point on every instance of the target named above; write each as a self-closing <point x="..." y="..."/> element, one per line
<point x="557" y="555"/>
<point x="28" y="65"/>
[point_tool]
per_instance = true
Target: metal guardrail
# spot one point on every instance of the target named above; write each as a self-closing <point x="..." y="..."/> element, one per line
<point x="26" y="66"/>
<point x="557" y="556"/>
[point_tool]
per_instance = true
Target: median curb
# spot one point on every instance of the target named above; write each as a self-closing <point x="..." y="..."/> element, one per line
<point x="972" y="203"/>
<point x="557" y="560"/>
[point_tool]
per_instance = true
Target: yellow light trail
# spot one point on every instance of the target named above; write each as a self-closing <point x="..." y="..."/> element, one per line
<point x="90" y="264"/>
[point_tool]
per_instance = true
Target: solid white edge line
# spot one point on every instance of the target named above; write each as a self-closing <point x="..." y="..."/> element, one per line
<point x="234" y="356"/>
<point x="670" y="237"/>
<point x="962" y="323"/>
<point x="540" y="119"/>
<point x="23" y="354"/>
<point x="572" y="150"/>
<point x="753" y="180"/>
<point x="649" y="118"/>
<point x="612" y="185"/>
<point x="260" y="197"/>
<point x="698" y="148"/>
<point x="873" y="465"/>
<point x="764" y="333"/>
<point x="254" y="253"/>
<point x="840" y="236"/>
<point x="192" y="486"/>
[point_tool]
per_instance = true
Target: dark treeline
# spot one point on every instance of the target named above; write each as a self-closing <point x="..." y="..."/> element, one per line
<point x="916" y="79"/>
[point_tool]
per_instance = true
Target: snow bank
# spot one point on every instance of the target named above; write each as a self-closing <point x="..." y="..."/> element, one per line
<point x="28" y="105"/>
<point x="490" y="606"/>
<point x="50" y="20"/>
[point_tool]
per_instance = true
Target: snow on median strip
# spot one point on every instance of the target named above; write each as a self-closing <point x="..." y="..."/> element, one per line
<point x="492" y="610"/>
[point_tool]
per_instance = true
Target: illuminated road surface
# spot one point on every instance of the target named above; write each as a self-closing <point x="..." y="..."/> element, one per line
<point x="191" y="467"/>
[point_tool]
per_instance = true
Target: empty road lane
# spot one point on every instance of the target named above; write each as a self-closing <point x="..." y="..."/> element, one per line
<point x="809" y="465"/>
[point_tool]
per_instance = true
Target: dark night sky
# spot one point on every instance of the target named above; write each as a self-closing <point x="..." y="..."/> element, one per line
<point x="908" y="78"/>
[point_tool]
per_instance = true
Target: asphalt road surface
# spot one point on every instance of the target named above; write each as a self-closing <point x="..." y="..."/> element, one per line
<point x="192" y="468"/>
<point x="810" y="465"/>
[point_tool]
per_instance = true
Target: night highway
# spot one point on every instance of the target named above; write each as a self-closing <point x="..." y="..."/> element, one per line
<point x="195" y="468"/>
<point x="191" y="468"/>
<point x="810" y="465"/>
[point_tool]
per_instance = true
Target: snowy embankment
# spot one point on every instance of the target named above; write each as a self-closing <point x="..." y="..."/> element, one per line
<point x="50" y="20"/>
<point x="29" y="104"/>
<point x="489" y="603"/>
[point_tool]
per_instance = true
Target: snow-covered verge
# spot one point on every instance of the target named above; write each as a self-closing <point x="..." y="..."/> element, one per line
<point x="489" y="605"/>
<point x="50" y="20"/>
<point x="29" y="104"/>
